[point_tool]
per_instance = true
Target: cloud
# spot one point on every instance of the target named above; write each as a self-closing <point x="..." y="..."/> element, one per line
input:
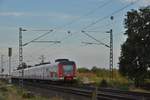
<point x="56" y="15"/>
<point x="146" y="2"/>
<point x="140" y="2"/>
<point x="61" y="16"/>
<point x="11" y="14"/>
<point x="130" y="0"/>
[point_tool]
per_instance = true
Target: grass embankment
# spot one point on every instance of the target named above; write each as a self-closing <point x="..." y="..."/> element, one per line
<point x="97" y="77"/>
<point x="11" y="92"/>
<point x="101" y="77"/>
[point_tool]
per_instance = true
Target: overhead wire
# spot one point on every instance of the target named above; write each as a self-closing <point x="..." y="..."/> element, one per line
<point x="97" y="21"/>
<point x="70" y="23"/>
<point x="105" y="17"/>
<point x="90" y="36"/>
<point x="89" y="13"/>
<point x="78" y="19"/>
<point x="38" y="37"/>
<point x="113" y="13"/>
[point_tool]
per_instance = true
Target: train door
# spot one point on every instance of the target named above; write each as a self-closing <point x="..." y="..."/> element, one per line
<point x="53" y="72"/>
<point x="47" y="70"/>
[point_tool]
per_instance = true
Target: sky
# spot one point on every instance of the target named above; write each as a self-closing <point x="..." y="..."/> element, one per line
<point x="67" y="18"/>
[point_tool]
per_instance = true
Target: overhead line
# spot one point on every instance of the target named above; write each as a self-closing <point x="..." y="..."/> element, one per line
<point x="38" y="37"/>
<point x="90" y="43"/>
<point x="47" y="41"/>
<point x="95" y="39"/>
<point x="79" y="18"/>
<point x="113" y="13"/>
<point x="101" y="6"/>
<point x="89" y="13"/>
<point x="41" y="30"/>
<point x="105" y="17"/>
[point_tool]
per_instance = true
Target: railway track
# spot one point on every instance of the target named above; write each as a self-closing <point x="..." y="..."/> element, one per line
<point x="93" y="93"/>
<point x="123" y="95"/>
<point x="138" y="95"/>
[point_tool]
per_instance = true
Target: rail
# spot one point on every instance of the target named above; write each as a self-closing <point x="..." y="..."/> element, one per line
<point x="101" y="94"/>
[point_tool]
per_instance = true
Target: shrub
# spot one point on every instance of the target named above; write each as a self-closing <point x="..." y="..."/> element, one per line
<point x="103" y="83"/>
<point x="83" y="70"/>
<point x="28" y="95"/>
<point x="3" y="89"/>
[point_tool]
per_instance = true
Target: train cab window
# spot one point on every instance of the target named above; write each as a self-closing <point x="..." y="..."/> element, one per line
<point x="68" y="68"/>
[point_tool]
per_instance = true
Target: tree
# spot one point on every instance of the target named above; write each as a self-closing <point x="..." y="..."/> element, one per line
<point x="135" y="52"/>
<point x="24" y="65"/>
<point x="83" y="70"/>
<point x="95" y="69"/>
<point x="100" y="72"/>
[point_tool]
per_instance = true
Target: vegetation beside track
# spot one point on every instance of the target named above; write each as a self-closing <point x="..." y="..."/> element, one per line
<point x="101" y="78"/>
<point x="11" y="92"/>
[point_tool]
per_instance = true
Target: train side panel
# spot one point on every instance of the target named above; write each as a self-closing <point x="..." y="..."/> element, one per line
<point x="55" y="72"/>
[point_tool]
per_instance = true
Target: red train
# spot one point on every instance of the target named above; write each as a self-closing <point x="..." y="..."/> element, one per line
<point x="62" y="69"/>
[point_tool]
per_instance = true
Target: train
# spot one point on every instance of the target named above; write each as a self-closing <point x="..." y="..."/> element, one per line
<point x="61" y="70"/>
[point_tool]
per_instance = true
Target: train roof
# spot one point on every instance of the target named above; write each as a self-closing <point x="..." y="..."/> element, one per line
<point x="57" y="61"/>
<point x="44" y="63"/>
<point x="61" y="60"/>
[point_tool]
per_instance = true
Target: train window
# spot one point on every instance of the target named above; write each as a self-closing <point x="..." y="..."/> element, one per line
<point x="67" y="68"/>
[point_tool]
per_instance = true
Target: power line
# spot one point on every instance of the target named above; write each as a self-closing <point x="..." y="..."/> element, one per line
<point x="95" y="39"/>
<point x="77" y="19"/>
<point x="87" y="14"/>
<point x="113" y="13"/>
<point x="40" y="30"/>
<point x="38" y="37"/>
<point x="103" y="18"/>
<point x="46" y="41"/>
<point x="101" y="6"/>
<point x="95" y="31"/>
<point x="90" y="43"/>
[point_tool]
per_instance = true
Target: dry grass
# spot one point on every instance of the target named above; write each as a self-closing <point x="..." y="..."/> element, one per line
<point x="56" y="98"/>
<point x="134" y="89"/>
<point x="118" y="80"/>
<point x="11" y="92"/>
<point x="87" y="77"/>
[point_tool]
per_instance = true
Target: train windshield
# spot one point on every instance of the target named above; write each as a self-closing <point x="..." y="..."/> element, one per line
<point x="68" y="69"/>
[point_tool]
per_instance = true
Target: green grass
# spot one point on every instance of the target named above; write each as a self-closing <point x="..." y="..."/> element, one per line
<point x="11" y="92"/>
<point x="101" y="78"/>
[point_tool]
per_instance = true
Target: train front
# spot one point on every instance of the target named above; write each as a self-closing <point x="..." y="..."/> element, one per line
<point x="67" y="70"/>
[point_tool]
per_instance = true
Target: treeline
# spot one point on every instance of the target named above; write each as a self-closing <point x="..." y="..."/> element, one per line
<point x="100" y="72"/>
<point x="134" y="61"/>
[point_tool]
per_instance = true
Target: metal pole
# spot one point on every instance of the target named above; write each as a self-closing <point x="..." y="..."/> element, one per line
<point x="111" y="35"/>
<point x="9" y="66"/>
<point x="2" y="63"/>
<point x="9" y="55"/>
<point x="20" y="48"/>
<point x="111" y="54"/>
<point x="20" y="56"/>
<point x="9" y="69"/>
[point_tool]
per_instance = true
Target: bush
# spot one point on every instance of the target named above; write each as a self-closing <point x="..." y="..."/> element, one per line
<point x="28" y="95"/>
<point x="83" y="70"/>
<point x="103" y="83"/>
<point x="2" y="97"/>
<point x="3" y="89"/>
